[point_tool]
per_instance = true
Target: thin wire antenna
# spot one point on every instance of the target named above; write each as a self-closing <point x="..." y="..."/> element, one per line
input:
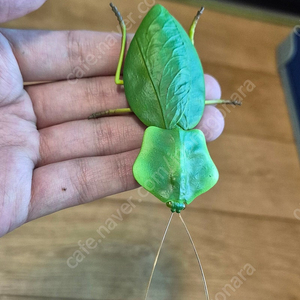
<point x="157" y="255"/>
<point x="197" y="256"/>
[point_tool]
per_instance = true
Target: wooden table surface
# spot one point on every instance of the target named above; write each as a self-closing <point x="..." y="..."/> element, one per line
<point x="246" y="228"/>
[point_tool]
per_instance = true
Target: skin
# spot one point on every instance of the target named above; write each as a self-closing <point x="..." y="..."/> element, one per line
<point x="51" y="156"/>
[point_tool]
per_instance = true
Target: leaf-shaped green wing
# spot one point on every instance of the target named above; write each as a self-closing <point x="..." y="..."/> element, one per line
<point x="163" y="76"/>
<point x="174" y="165"/>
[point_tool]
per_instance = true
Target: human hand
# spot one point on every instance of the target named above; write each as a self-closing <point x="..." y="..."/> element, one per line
<point x="51" y="156"/>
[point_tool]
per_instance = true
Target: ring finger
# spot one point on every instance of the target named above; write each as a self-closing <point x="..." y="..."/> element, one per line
<point x="87" y="138"/>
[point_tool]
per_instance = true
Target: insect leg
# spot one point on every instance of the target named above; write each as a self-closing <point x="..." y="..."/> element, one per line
<point x="110" y="112"/>
<point x="194" y="23"/>
<point x="219" y="101"/>
<point x="121" y="58"/>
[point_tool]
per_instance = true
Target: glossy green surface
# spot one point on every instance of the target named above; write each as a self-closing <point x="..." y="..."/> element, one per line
<point x="175" y="165"/>
<point x="163" y="76"/>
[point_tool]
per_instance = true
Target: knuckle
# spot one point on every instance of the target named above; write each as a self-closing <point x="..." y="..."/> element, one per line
<point x="123" y="169"/>
<point x="45" y="150"/>
<point x="100" y="88"/>
<point x="75" y="50"/>
<point x="81" y="181"/>
<point x="95" y="89"/>
<point x="104" y="136"/>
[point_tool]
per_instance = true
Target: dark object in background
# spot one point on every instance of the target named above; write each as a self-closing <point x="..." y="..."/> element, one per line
<point x="287" y="6"/>
<point x="288" y="61"/>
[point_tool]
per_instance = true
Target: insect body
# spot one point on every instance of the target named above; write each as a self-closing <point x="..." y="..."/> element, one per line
<point x="164" y="86"/>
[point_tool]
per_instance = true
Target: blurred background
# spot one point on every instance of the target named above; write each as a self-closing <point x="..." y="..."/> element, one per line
<point x="291" y="7"/>
<point x="246" y="229"/>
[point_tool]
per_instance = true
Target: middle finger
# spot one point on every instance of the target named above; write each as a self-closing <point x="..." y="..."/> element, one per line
<point x="64" y="101"/>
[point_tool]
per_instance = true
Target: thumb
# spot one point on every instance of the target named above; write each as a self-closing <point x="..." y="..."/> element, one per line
<point x="12" y="9"/>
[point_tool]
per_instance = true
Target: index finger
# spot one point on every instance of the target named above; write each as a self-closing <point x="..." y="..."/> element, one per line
<point x="60" y="55"/>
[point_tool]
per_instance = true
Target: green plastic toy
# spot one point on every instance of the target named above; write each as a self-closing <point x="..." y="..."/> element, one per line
<point x="164" y="86"/>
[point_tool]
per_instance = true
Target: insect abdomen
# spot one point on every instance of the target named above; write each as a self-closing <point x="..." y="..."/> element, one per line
<point x="175" y="165"/>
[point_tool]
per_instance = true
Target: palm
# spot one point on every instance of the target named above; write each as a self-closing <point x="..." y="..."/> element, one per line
<point x="19" y="144"/>
<point x="51" y="156"/>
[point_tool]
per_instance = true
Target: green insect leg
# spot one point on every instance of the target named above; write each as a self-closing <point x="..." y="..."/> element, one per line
<point x="110" y="112"/>
<point x="220" y="101"/>
<point x="121" y="111"/>
<point x="118" y="111"/>
<point x="194" y="23"/>
<point x="121" y="58"/>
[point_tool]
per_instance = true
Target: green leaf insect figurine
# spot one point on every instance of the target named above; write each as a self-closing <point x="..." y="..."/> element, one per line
<point x="164" y="85"/>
